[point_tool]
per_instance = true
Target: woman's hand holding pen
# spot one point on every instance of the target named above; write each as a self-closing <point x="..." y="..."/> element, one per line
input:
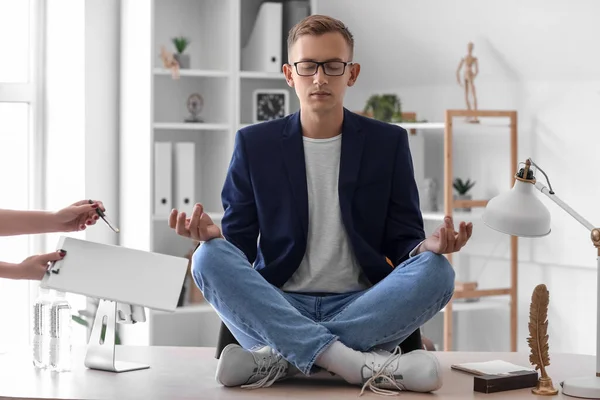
<point x="77" y="216"/>
<point x="199" y="226"/>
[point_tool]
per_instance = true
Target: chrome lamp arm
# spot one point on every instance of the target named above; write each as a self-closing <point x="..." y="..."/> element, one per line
<point x="552" y="196"/>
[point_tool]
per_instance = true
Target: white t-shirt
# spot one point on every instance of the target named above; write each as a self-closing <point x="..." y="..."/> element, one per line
<point x="329" y="264"/>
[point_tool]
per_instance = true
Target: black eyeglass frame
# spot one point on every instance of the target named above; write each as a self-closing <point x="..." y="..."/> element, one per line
<point x="322" y="65"/>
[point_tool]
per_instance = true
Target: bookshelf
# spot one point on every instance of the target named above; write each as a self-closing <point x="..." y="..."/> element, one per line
<point x="499" y="119"/>
<point x="153" y="109"/>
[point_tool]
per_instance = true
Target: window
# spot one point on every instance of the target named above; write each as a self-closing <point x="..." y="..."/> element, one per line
<point x="20" y="150"/>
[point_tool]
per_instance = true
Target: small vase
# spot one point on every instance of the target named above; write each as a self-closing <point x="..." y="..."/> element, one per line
<point x="183" y="60"/>
<point x="463" y="197"/>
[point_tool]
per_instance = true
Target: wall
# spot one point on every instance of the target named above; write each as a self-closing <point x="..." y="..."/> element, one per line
<point x="102" y="110"/>
<point x="535" y="57"/>
<point x="82" y="108"/>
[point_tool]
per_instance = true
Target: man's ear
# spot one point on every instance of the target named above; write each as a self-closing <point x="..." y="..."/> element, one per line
<point x="354" y="71"/>
<point x="287" y="72"/>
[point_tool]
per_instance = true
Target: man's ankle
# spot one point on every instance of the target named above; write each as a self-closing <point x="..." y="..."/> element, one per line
<point x="343" y="361"/>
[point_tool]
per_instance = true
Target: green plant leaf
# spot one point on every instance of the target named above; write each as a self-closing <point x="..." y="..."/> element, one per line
<point x="462" y="187"/>
<point x="79" y="320"/>
<point x="385" y="107"/>
<point x="180" y="43"/>
<point x="82" y="321"/>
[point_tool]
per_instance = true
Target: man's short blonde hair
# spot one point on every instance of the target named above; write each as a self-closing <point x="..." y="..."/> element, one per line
<point x="317" y="25"/>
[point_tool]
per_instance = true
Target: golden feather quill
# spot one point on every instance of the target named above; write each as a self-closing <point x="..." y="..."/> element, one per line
<point x="538" y="338"/>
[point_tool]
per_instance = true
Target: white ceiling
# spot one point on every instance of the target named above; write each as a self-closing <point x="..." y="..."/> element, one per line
<point x="420" y="42"/>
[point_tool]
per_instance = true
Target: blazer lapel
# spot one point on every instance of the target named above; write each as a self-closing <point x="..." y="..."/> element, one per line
<point x="293" y="158"/>
<point x="352" y="149"/>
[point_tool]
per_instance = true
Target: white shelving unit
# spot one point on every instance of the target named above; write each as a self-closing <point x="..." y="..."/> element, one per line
<point x="194" y="325"/>
<point x="183" y="126"/>
<point x="154" y="109"/>
<point x="479" y="305"/>
<point x="193" y="72"/>
<point x="262" y="75"/>
<point x="458" y="216"/>
<point x="423" y="126"/>
<point x="471" y="317"/>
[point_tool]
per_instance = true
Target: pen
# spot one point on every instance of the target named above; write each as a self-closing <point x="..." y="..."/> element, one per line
<point x="104" y="217"/>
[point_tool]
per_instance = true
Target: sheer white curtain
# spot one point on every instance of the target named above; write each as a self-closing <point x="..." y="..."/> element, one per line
<point x="20" y="151"/>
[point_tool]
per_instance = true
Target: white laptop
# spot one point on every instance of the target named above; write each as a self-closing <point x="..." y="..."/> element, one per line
<point x="117" y="273"/>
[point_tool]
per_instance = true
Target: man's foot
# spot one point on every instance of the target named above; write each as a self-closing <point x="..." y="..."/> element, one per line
<point x="386" y="373"/>
<point x="250" y="369"/>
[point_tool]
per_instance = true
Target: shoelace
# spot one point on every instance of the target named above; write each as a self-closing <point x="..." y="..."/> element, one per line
<point x="385" y="374"/>
<point x="273" y="368"/>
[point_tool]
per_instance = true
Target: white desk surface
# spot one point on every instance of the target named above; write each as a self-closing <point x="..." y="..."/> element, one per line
<point x="188" y="373"/>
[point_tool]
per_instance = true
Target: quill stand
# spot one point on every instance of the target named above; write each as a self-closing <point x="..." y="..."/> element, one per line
<point x="538" y="339"/>
<point x="545" y="387"/>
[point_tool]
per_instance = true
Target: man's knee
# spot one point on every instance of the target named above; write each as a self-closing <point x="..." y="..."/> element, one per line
<point x="207" y="260"/>
<point x="439" y="270"/>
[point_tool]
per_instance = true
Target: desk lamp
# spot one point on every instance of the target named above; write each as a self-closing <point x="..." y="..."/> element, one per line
<point x="519" y="212"/>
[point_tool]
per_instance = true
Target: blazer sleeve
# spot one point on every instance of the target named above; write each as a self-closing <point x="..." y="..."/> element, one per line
<point x="240" y="220"/>
<point x="404" y="225"/>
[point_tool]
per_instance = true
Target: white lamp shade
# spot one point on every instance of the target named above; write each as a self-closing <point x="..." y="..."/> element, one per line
<point x="518" y="212"/>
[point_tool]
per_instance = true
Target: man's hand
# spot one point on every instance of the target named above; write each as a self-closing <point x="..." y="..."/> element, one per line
<point x="76" y="216"/>
<point x="199" y="226"/>
<point x="34" y="267"/>
<point x="445" y="239"/>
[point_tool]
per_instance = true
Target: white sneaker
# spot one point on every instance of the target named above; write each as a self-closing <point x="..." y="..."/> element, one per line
<point x="250" y="369"/>
<point x="386" y="373"/>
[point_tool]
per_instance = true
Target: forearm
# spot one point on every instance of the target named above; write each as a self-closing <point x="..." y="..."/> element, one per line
<point x="17" y="222"/>
<point x="8" y="270"/>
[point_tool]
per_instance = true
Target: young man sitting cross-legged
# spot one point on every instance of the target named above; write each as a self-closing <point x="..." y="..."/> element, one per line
<point x="330" y="197"/>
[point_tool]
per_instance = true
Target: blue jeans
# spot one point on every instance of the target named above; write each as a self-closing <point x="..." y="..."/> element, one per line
<point x="301" y="326"/>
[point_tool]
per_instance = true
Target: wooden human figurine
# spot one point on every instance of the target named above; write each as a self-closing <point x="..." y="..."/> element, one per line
<point x="470" y="66"/>
<point x="169" y="62"/>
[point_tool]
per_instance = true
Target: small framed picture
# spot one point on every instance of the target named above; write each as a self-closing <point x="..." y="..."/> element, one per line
<point x="270" y="104"/>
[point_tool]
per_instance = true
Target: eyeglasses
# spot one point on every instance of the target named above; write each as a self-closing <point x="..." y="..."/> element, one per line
<point x="331" y="68"/>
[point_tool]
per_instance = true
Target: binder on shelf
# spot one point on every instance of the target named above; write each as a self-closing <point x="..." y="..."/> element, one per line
<point x="263" y="49"/>
<point x="163" y="178"/>
<point x="184" y="172"/>
<point x="294" y="11"/>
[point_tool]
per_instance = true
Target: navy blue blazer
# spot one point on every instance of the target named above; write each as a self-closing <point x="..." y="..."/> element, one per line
<point x="265" y="192"/>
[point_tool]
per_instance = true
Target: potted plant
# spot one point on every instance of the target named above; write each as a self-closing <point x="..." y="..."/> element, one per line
<point x="181" y="43"/>
<point x="385" y="107"/>
<point x="462" y="188"/>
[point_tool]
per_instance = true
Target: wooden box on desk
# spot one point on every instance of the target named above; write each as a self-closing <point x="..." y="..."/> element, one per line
<point x="500" y="383"/>
<point x="498" y="376"/>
